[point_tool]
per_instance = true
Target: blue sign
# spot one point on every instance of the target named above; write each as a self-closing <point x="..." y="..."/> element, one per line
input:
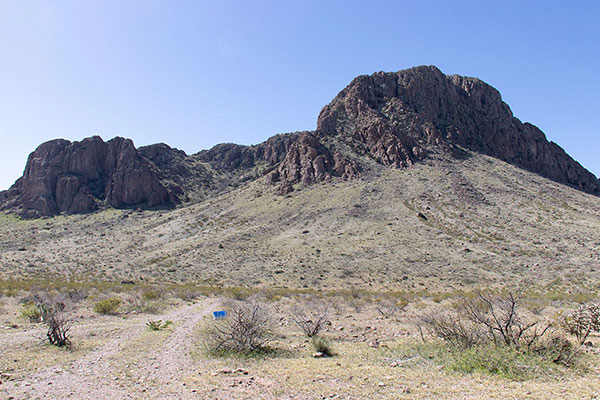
<point x="219" y="314"/>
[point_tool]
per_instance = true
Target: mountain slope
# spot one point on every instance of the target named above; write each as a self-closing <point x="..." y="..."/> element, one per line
<point x="487" y="222"/>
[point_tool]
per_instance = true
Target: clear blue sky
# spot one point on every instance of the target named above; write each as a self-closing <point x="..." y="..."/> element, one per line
<point x="196" y="73"/>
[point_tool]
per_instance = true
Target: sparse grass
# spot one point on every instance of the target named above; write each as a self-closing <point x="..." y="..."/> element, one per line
<point x="503" y="361"/>
<point x="322" y="345"/>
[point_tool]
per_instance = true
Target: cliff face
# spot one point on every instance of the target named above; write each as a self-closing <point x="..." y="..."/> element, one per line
<point x="79" y="177"/>
<point x="399" y="118"/>
<point x="396" y="119"/>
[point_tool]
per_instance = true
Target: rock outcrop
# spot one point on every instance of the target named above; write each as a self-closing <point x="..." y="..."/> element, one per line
<point x="231" y="157"/>
<point x="399" y="118"/>
<point x="80" y="177"/>
<point x="307" y="161"/>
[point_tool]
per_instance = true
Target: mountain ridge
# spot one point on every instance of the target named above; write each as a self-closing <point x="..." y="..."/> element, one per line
<point x="392" y="119"/>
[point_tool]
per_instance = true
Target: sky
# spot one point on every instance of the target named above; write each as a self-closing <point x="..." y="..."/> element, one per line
<point x="196" y="73"/>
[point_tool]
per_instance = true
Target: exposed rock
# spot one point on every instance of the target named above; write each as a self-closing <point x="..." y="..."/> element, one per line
<point x="231" y="157"/>
<point x="179" y="171"/>
<point x="79" y="177"/>
<point x="308" y="161"/>
<point x="399" y="118"/>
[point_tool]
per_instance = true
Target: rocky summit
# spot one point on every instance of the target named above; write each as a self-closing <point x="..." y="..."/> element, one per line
<point x="384" y="119"/>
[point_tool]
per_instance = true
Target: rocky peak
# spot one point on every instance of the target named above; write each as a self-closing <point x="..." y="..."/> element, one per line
<point x="401" y="118"/>
<point x="78" y="177"/>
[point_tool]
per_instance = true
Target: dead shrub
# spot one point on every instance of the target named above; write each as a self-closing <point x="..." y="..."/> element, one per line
<point x="389" y="307"/>
<point x="487" y="318"/>
<point x="246" y="329"/>
<point x="53" y="313"/>
<point x="311" y="319"/>
<point x="582" y="321"/>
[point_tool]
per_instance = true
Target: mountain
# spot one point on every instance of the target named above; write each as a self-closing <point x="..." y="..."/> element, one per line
<point x="386" y="119"/>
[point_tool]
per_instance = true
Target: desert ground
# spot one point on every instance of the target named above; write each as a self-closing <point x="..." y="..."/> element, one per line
<point x="378" y="354"/>
<point x="381" y="251"/>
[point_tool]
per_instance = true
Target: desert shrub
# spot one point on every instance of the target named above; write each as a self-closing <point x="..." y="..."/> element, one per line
<point x="77" y="295"/>
<point x="489" y="333"/>
<point x="246" y="329"/>
<point x="107" y="306"/>
<point x="187" y="294"/>
<point x="311" y="319"/>
<point x="137" y="302"/>
<point x="238" y="293"/>
<point x="152" y="294"/>
<point x="58" y="324"/>
<point x="487" y="318"/>
<point x="31" y="311"/>
<point x="158" y="325"/>
<point x="582" y="321"/>
<point x="389" y="306"/>
<point x="52" y="311"/>
<point x="453" y="328"/>
<point x="322" y="345"/>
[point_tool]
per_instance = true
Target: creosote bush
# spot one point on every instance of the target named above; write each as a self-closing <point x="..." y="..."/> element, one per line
<point x="246" y="329"/>
<point x="107" y="306"/>
<point x="31" y="311"/>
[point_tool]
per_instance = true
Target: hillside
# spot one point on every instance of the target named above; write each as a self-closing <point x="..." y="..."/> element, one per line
<point x="412" y="180"/>
<point x="487" y="223"/>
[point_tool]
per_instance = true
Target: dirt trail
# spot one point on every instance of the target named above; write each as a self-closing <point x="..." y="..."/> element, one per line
<point x="92" y="376"/>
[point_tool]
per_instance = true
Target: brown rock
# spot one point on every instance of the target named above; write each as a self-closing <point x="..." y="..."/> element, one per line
<point x="308" y="161"/>
<point x="80" y="177"/>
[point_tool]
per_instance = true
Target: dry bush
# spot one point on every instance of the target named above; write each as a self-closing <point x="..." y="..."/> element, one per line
<point x="453" y="328"/>
<point x="582" y="321"/>
<point x="187" y="294"/>
<point x="59" y="326"/>
<point x="311" y="319"/>
<point x="501" y="319"/>
<point x="52" y="311"/>
<point x="389" y="306"/>
<point x="487" y="318"/>
<point x="495" y="324"/>
<point x="247" y="328"/>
